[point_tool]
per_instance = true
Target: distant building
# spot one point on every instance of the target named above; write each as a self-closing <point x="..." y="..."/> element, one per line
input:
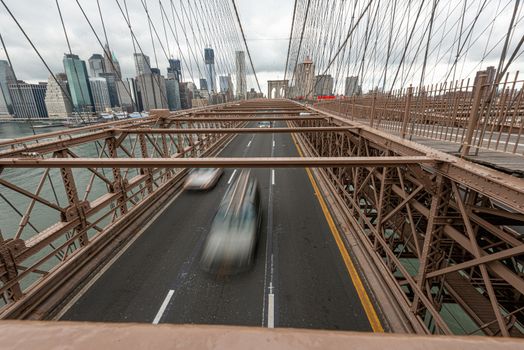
<point x="7" y="76"/>
<point x="28" y="99"/>
<point x="78" y="80"/>
<point x="203" y="84"/>
<point x="173" y="94"/>
<point x="209" y="56"/>
<point x="142" y="64"/>
<point x="57" y="99"/>
<point x="151" y="90"/>
<point x="186" y="95"/>
<point x="226" y="87"/>
<point x="199" y="102"/>
<point x="352" y="88"/>
<point x="125" y="96"/>
<point x="323" y="85"/>
<point x="111" y="63"/>
<point x="112" y="79"/>
<point x="240" y="65"/>
<point x="100" y="92"/>
<point x="253" y="94"/>
<point x="304" y="78"/>
<point x="174" y="71"/>
<point x="216" y="99"/>
<point x="96" y="65"/>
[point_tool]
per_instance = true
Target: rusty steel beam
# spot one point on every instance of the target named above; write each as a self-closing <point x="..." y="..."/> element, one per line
<point x="258" y="162"/>
<point x="255" y="112"/>
<point x="385" y="186"/>
<point x="123" y="336"/>
<point x="233" y="119"/>
<point x="506" y="189"/>
<point x="235" y="130"/>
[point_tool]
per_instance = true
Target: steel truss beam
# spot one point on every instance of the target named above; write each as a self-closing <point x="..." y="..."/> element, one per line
<point x="275" y="162"/>
<point x="233" y="130"/>
<point x="422" y="218"/>
<point x="440" y="230"/>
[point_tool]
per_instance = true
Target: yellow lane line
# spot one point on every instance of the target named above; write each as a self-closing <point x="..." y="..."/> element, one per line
<point x="355" y="278"/>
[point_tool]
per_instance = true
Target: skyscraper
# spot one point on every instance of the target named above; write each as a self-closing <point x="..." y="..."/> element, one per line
<point x="142" y="64"/>
<point x="186" y="95"/>
<point x="28" y="99"/>
<point x="125" y="98"/>
<point x="112" y="80"/>
<point x="240" y="64"/>
<point x="101" y="100"/>
<point x="203" y="84"/>
<point x="56" y="99"/>
<point x="7" y="76"/>
<point x="226" y="86"/>
<point x="111" y="63"/>
<point x="173" y="94"/>
<point x="96" y="65"/>
<point x="151" y="90"/>
<point x="78" y="80"/>
<point x="352" y="88"/>
<point x="174" y="70"/>
<point x="323" y="85"/>
<point x="209" y="56"/>
<point x="304" y="78"/>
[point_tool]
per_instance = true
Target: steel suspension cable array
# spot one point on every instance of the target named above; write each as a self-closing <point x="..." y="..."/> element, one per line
<point x="203" y="24"/>
<point x="397" y="43"/>
<point x="245" y="44"/>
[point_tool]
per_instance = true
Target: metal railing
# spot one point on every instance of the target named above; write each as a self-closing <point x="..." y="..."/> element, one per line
<point x="475" y="115"/>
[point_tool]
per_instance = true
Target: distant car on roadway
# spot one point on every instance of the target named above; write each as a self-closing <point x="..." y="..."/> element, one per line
<point x="203" y="179"/>
<point x="264" y="124"/>
<point x="231" y="243"/>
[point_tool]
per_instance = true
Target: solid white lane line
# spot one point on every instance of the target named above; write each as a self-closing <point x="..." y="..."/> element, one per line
<point x="112" y="261"/>
<point x="160" y="312"/>
<point x="273" y="143"/>
<point x="249" y="143"/>
<point x="271" y="311"/>
<point x="273" y="177"/>
<point x="232" y="176"/>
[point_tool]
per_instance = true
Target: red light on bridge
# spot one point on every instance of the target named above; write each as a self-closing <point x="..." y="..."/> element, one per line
<point x="325" y="98"/>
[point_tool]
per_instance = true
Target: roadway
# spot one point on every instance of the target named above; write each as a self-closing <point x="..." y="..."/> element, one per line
<point x="298" y="280"/>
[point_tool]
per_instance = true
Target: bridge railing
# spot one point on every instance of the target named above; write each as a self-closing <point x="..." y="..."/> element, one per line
<point x="477" y="115"/>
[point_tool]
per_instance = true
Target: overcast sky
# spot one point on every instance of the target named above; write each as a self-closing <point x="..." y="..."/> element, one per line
<point x="266" y="25"/>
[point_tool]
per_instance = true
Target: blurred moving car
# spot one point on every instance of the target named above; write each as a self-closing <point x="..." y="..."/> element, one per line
<point x="203" y="179"/>
<point x="264" y="124"/>
<point x="231" y="243"/>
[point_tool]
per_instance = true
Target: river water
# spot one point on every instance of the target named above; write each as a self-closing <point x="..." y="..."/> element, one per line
<point x="13" y="204"/>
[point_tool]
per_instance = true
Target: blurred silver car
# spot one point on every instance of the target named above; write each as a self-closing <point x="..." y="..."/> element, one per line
<point x="203" y="179"/>
<point x="231" y="243"/>
<point x="264" y="124"/>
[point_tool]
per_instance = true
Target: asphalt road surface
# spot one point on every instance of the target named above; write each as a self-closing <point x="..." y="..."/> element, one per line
<point x="298" y="280"/>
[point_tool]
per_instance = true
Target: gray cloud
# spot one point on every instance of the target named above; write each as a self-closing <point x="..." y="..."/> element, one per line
<point x="266" y="25"/>
<point x="261" y="20"/>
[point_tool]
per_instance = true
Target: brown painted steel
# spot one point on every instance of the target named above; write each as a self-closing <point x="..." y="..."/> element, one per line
<point x="258" y="118"/>
<point x="236" y="130"/>
<point x="399" y="201"/>
<point x="275" y="162"/>
<point x="84" y="335"/>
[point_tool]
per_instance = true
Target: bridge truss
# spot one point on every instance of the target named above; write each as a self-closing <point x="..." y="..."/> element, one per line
<point x="427" y="229"/>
